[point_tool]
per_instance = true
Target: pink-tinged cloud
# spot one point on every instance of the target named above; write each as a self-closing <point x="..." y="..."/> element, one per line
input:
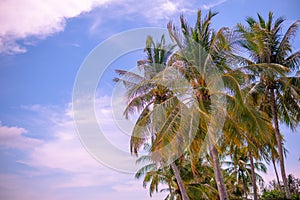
<point x="14" y="138"/>
<point x="60" y="167"/>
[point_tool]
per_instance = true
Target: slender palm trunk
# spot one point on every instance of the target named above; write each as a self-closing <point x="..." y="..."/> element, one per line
<point x="279" y="144"/>
<point x="218" y="173"/>
<point x="170" y="190"/>
<point x="179" y="181"/>
<point x="277" y="177"/>
<point x="244" y="186"/>
<point x="253" y="176"/>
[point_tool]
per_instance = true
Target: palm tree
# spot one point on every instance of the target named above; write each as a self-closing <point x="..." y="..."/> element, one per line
<point x="241" y="166"/>
<point x="204" y="52"/>
<point x="271" y="61"/>
<point x="248" y="128"/>
<point x="155" y="175"/>
<point x="200" y="187"/>
<point x="276" y="173"/>
<point x="260" y="144"/>
<point x="242" y="145"/>
<point x="200" y="50"/>
<point x="199" y="178"/>
<point x="174" y="96"/>
<point x="159" y="109"/>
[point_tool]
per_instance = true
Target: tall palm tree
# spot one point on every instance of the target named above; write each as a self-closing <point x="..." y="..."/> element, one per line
<point x="271" y="61"/>
<point x="204" y="52"/>
<point x="242" y="142"/>
<point x="159" y="109"/>
<point x="276" y="173"/>
<point x="200" y="49"/>
<point x="260" y="144"/>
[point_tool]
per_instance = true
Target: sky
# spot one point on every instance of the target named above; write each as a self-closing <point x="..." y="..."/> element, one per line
<point x="44" y="49"/>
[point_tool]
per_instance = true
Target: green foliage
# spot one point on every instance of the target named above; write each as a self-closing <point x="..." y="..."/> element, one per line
<point x="272" y="193"/>
<point x="275" y="195"/>
<point x="206" y="95"/>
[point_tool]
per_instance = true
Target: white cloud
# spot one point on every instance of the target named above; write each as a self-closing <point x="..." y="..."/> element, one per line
<point x="21" y="19"/>
<point x="13" y="138"/>
<point x="156" y="12"/>
<point x="24" y="19"/>
<point x="62" y="164"/>
<point x="161" y="9"/>
<point x="65" y="153"/>
<point x="9" y="46"/>
<point x="212" y="4"/>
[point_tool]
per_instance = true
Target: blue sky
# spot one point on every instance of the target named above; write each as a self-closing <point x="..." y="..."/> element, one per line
<point x="42" y="46"/>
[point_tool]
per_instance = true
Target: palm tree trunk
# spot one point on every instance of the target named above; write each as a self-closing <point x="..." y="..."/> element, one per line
<point x="179" y="181"/>
<point x="279" y="144"/>
<point x="218" y="173"/>
<point x="170" y="190"/>
<point x="244" y="186"/>
<point x="253" y="176"/>
<point x="277" y="177"/>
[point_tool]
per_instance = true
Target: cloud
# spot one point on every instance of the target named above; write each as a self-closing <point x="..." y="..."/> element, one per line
<point x="26" y="18"/>
<point x="14" y="138"/>
<point x="60" y="167"/>
<point x="64" y="153"/>
<point x="31" y="19"/>
<point x="153" y="13"/>
<point x="210" y="5"/>
<point x="9" y="46"/>
<point x="157" y="10"/>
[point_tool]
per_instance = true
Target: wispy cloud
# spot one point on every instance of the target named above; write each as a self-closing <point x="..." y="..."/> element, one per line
<point x="20" y="20"/>
<point x="14" y="138"/>
<point x="61" y="163"/>
<point x="212" y="4"/>
<point x="148" y="13"/>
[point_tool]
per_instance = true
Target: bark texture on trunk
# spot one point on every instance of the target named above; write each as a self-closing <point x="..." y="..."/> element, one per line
<point x="253" y="176"/>
<point x="179" y="181"/>
<point x="218" y="173"/>
<point x="279" y="144"/>
<point x="277" y="177"/>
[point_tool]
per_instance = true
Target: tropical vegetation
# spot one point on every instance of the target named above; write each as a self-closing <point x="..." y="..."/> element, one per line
<point x="209" y="108"/>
